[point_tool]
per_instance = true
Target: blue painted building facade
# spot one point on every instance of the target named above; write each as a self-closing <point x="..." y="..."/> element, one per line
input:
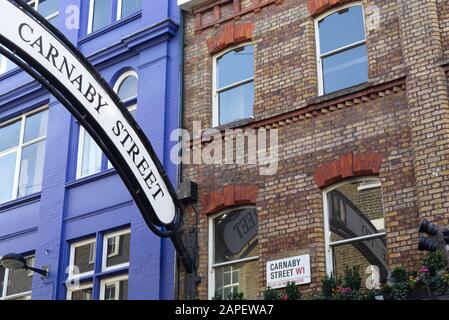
<point x="77" y="221"/>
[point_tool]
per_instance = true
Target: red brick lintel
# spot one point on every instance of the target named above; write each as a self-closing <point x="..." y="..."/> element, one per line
<point x="348" y="166"/>
<point x="230" y="196"/>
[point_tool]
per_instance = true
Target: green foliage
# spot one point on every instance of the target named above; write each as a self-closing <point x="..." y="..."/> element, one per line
<point x="438" y="286"/>
<point x="271" y="294"/>
<point x="352" y="278"/>
<point x="328" y="286"/>
<point x="399" y="291"/>
<point x="236" y="295"/>
<point x="435" y="261"/>
<point x="399" y="275"/>
<point x="292" y="292"/>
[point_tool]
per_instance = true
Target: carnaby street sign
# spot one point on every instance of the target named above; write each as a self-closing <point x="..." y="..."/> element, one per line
<point x="62" y="69"/>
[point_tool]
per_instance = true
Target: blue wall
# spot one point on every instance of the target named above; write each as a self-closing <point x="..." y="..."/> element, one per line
<point x="68" y="209"/>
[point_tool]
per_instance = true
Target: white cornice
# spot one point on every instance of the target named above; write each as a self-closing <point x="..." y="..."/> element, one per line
<point x="189" y="4"/>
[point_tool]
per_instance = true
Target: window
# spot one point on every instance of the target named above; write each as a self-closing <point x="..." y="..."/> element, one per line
<point x="82" y="293"/>
<point x="355" y="227"/>
<point x="22" y="155"/>
<point x="341" y="48"/>
<point x="114" y="288"/>
<point x="90" y="157"/>
<point x="5" y="64"/>
<point x="101" y="12"/>
<point x="233" y="253"/>
<point x="116" y="248"/>
<point x="82" y="258"/>
<point x="16" y="284"/>
<point x="47" y="8"/>
<point x="233" y="85"/>
<point x="95" y="277"/>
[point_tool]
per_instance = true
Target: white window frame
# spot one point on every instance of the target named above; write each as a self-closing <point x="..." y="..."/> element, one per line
<point x="33" y="262"/>
<point x="35" y="5"/>
<point x="19" y="148"/>
<point x="105" y="250"/>
<point x="211" y="250"/>
<point x="90" y="23"/>
<point x="115" y="281"/>
<point x="4" y="290"/>
<point x="123" y="77"/>
<point x="216" y="91"/>
<point x="79" y="160"/>
<point x="327" y="233"/>
<point x="73" y="246"/>
<point x="320" y="56"/>
<point x="71" y="290"/>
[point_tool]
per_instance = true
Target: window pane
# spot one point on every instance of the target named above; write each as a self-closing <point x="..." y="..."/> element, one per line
<point x="345" y="69"/>
<point x="235" y="66"/>
<point x="128" y="88"/>
<point x="82" y="294"/>
<point x="236" y="235"/>
<point x="19" y="281"/>
<point x="31" y="169"/>
<point x="341" y="29"/>
<point x="6" y="64"/>
<point x="91" y="157"/>
<point x="7" y="172"/>
<point x="361" y="255"/>
<point x="242" y="277"/>
<point x="237" y="103"/>
<point x="36" y="126"/>
<point x="2" y="280"/>
<point x="118" y="250"/>
<point x="116" y="290"/>
<point x="101" y="14"/>
<point x="10" y="136"/>
<point x="84" y="259"/>
<point x="130" y="6"/>
<point x="48" y="7"/>
<point x="355" y="211"/>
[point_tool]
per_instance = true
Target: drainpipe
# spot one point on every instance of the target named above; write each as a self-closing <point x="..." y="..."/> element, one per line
<point x="181" y="123"/>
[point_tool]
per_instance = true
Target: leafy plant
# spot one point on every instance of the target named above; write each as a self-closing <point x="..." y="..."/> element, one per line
<point x="399" y="291"/>
<point x="236" y="295"/>
<point x="271" y="294"/>
<point x="352" y="278"/>
<point x="328" y="286"/>
<point x="435" y="261"/>
<point x="399" y="275"/>
<point x="292" y="292"/>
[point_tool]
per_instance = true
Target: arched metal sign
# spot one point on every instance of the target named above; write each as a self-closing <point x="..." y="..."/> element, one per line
<point x="53" y="60"/>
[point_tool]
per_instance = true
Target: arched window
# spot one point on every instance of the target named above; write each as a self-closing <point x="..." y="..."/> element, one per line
<point x="233" y="85"/>
<point x="90" y="157"/>
<point x="355" y="228"/>
<point x="233" y="253"/>
<point x="126" y="89"/>
<point x="341" y="48"/>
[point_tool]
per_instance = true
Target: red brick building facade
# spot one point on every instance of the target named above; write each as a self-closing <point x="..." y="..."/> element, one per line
<point x="393" y="127"/>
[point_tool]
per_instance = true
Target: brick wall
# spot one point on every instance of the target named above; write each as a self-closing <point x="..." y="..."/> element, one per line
<point x="387" y="116"/>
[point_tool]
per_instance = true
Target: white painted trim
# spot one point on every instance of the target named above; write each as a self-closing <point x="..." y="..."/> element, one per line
<point x="327" y="233"/>
<point x="119" y="9"/>
<point x="81" y="287"/>
<point x="115" y="281"/>
<point x="123" y="77"/>
<point x="105" y="250"/>
<point x="90" y="20"/>
<point x="211" y="250"/>
<point x="216" y="91"/>
<point x="73" y="246"/>
<point x="4" y="290"/>
<point x="319" y="55"/>
<point x="19" y="148"/>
